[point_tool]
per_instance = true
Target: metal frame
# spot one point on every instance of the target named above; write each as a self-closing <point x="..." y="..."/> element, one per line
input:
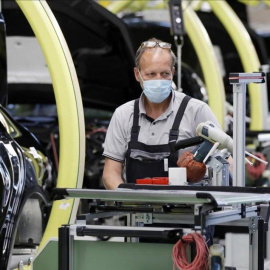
<point x="240" y="81"/>
<point x="188" y="211"/>
<point x="65" y="248"/>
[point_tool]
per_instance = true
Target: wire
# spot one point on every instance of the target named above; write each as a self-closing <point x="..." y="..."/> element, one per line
<point x="179" y="254"/>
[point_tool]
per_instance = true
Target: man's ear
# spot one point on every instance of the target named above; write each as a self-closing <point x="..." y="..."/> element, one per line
<point x="173" y="70"/>
<point x="136" y="73"/>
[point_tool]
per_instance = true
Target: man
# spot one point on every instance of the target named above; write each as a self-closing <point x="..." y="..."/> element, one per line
<point x="136" y="144"/>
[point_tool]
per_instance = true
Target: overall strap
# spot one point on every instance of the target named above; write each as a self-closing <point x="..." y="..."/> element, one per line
<point x="135" y="128"/>
<point x="175" y="128"/>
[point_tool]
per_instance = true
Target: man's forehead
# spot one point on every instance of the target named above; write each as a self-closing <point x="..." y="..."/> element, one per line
<point x="153" y="52"/>
<point x="157" y="55"/>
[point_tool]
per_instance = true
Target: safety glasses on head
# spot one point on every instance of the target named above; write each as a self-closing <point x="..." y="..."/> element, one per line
<point x="153" y="44"/>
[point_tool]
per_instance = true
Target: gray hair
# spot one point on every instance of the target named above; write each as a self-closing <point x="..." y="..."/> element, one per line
<point x="142" y="49"/>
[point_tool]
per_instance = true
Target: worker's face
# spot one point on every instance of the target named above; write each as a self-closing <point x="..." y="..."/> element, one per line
<point x="155" y="64"/>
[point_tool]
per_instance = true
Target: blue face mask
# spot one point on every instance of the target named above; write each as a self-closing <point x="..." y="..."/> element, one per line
<point x="156" y="90"/>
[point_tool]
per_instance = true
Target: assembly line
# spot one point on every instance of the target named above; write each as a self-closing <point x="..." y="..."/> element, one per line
<point x="134" y="135"/>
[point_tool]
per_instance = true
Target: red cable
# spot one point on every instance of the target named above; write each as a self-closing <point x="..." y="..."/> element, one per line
<point x="179" y="254"/>
<point x="89" y="133"/>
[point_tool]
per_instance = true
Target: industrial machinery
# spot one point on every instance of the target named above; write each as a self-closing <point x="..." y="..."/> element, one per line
<point x="176" y="207"/>
<point x="170" y="211"/>
<point x="27" y="172"/>
<point x="186" y="207"/>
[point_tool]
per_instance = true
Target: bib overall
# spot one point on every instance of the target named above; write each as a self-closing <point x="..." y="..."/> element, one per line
<point x="144" y="160"/>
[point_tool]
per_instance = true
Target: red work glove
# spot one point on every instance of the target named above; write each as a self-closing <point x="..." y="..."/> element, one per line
<point x="195" y="170"/>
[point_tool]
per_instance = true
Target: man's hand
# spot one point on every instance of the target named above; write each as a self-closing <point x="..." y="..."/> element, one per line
<point x="112" y="174"/>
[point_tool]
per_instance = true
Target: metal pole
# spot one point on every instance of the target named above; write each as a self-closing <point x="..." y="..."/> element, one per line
<point x="179" y="44"/>
<point x="264" y="98"/>
<point x="261" y="244"/>
<point x="239" y="131"/>
<point x="253" y="244"/>
<point x="177" y="30"/>
<point x="65" y="256"/>
<point x="179" y="63"/>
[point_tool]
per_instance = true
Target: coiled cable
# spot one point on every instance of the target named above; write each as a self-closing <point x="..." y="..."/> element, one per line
<point x="179" y="254"/>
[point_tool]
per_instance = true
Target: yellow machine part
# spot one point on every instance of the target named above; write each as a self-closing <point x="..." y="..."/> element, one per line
<point x="209" y="64"/>
<point x="25" y="267"/>
<point x="69" y="108"/>
<point x="206" y="55"/>
<point x="250" y="2"/>
<point x="104" y="3"/>
<point x="117" y="6"/>
<point x="266" y="2"/>
<point x="247" y="53"/>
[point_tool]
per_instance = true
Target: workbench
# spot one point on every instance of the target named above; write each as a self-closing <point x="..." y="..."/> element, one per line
<point x="183" y="207"/>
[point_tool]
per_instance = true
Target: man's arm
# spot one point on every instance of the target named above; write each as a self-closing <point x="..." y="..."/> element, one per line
<point x="112" y="174"/>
